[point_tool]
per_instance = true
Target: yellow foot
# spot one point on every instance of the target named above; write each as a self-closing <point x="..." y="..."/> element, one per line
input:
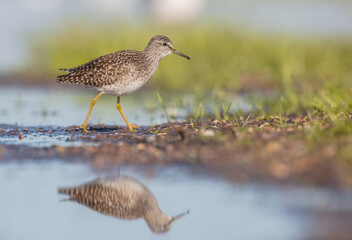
<point x="132" y="127"/>
<point x="83" y="128"/>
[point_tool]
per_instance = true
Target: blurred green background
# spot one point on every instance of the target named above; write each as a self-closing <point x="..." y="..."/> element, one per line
<point x="221" y="56"/>
<point x="299" y="53"/>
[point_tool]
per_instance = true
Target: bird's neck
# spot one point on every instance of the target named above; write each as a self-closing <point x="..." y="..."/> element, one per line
<point x="154" y="218"/>
<point x="153" y="55"/>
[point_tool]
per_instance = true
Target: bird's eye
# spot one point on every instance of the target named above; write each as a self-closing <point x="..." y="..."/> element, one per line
<point x="164" y="44"/>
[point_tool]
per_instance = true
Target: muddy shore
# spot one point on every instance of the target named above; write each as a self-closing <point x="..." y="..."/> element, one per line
<point x="247" y="151"/>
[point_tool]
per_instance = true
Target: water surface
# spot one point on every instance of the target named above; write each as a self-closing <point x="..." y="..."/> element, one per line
<point x="31" y="207"/>
<point x="51" y="106"/>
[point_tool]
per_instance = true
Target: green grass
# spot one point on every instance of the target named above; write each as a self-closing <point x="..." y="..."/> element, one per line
<point x="304" y="76"/>
<point x="221" y="57"/>
<point x="156" y="130"/>
<point x="162" y="104"/>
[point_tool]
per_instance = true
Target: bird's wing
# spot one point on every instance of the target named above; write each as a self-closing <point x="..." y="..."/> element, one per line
<point x="104" y="70"/>
<point x="109" y="198"/>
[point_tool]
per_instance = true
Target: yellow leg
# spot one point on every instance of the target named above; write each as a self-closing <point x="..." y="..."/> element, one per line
<point x="118" y="106"/>
<point x="84" y="125"/>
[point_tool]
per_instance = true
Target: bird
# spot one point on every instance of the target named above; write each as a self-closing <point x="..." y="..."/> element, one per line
<point x="120" y="73"/>
<point x="123" y="197"/>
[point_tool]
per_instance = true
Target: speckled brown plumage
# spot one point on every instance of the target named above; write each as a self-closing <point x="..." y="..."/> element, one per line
<point x="123" y="197"/>
<point x="104" y="70"/>
<point x="120" y="73"/>
<point x="121" y="69"/>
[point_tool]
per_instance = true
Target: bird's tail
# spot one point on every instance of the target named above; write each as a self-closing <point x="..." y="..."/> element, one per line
<point x="63" y="78"/>
<point x="66" y="77"/>
<point x="67" y="191"/>
<point x="66" y="69"/>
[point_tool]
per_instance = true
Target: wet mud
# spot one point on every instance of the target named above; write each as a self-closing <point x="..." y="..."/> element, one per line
<point x="243" y="151"/>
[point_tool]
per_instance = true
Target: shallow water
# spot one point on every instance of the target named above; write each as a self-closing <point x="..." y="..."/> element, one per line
<point x="38" y="137"/>
<point x="35" y="106"/>
<point x="31" y="204"/>
<point x="42" y="140"/>
<point x="31" y="207"/>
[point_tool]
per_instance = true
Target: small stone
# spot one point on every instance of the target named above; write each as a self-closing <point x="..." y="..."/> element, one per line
<point x="100" y="136"/>
<point x="151" y="138"/>
<point x="273" y="147"/>
<point x="60" y="150"/>
<point x="208" y="133"/>
<point x="251" y="130"/>
<point x="140" y="146"/>
<point x="280" y="170"/>
<point x="264" y="125"/>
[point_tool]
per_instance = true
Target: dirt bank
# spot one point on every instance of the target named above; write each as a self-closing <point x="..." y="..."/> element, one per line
<point x="244" y="151"/>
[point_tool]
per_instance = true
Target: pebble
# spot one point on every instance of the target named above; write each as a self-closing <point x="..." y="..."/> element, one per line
<point x="140" y="146"/>
<point x="151" y="138"/>
<point x="208" y="133"/>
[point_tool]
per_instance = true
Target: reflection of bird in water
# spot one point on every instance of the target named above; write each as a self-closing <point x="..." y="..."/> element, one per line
<point x="123" y="197"/>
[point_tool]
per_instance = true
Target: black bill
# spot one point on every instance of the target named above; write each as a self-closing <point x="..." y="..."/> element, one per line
<point x="180" y="54"/>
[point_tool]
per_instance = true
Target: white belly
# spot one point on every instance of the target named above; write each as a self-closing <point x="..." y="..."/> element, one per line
<point x="121" y="90"/>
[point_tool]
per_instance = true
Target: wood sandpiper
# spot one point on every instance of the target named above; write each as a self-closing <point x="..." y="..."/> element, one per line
<point x="120" y="73"/>
<point x="122" y="197"/>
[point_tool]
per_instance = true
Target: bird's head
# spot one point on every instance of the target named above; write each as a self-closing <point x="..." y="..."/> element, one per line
<point x="162" y="45"/>
<point x="163" y="223"/>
